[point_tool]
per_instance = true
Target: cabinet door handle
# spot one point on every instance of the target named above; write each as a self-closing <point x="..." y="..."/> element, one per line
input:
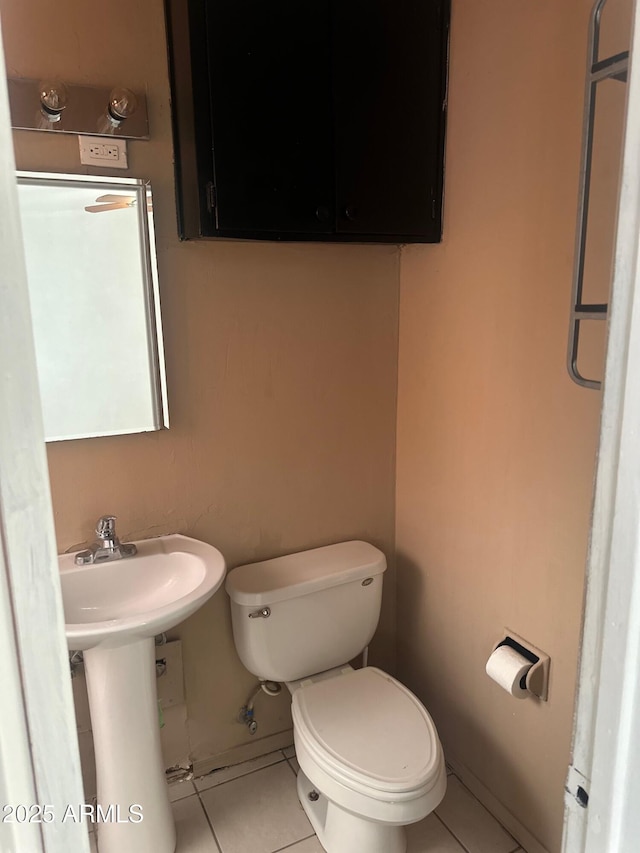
<point x="322" y="213"/>
<point x="350" y="212"/>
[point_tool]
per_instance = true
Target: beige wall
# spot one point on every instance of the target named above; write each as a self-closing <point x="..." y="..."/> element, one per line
<point x="281" y="362"/>
<point x="495" y="444"/>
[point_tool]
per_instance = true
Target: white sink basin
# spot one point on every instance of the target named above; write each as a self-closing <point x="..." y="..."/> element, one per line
<point x="113" y="603"/>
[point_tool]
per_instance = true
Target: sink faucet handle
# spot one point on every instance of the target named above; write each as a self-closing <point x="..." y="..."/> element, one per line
<point x="107" y="546"/>
<point x="106" y="527"/>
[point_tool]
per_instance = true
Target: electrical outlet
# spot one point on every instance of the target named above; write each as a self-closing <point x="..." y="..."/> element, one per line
<point x="103" y="151"/>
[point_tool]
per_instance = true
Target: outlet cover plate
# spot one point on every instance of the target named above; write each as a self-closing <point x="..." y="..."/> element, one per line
<point x="105" y="151"/>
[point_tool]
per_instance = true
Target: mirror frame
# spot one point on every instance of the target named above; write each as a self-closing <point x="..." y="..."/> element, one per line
<point x="155" y="342"/>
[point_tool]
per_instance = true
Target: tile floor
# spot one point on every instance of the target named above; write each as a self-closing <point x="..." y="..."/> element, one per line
<point x="253" y="808"/>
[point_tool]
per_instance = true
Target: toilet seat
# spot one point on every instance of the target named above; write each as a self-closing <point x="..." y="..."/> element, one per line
<point x="370" y="734"/>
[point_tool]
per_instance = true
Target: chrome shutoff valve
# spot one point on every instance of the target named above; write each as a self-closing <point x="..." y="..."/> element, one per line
<point x="246" y="716"/>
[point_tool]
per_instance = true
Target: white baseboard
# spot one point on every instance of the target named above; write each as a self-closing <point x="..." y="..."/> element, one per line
<point x="522" y="835"/>
<point x="243" y="752"/>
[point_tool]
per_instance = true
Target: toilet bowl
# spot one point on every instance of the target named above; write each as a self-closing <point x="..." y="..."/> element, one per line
<point x="370" y="758"/>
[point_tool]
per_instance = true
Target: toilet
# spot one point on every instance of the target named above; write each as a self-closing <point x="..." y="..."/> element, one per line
<point x="370" y="758"/>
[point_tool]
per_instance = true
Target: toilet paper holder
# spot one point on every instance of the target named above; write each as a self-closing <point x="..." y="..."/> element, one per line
<point x="537" y="678"/>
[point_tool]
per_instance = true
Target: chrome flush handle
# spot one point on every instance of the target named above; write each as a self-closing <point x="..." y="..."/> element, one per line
<point x="263" y="613"/>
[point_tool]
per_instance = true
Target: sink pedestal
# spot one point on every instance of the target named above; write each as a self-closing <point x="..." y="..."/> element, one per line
<point x="121" y="683"/>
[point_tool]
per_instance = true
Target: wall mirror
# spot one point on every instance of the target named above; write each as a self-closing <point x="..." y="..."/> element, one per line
<point x="93" y="285"/>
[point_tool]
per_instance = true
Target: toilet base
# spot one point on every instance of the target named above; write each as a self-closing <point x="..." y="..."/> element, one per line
<point x="340" y="831"/>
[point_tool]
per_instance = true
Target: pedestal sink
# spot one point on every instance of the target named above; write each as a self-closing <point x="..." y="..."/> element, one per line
<point x="113" y="610"/>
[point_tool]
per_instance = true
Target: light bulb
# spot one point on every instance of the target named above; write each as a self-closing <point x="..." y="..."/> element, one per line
<point x="53" y="99"/>
<point x="122" y="103"/>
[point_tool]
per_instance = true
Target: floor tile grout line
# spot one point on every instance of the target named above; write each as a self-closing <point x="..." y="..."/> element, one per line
<point x="213" y="832"/>
<point x="256" y="770"/>
<point x="464" y="846"/>
<point x="293" y="843"/>
<point x="470" y="792"/>
<point x="293" y="770"/>
<point x="186" y="796"/>
<point x="452" y="834"/>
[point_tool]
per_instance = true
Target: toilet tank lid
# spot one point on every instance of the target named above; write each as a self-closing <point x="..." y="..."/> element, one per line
<point x="257" y="584"/>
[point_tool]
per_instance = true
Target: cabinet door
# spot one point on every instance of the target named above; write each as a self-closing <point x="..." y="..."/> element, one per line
<point x="270" y="84"/>
<point x="389" y="91"/>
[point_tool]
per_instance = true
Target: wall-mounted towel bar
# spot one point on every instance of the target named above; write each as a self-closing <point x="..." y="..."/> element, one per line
<point x="611" y="68"/>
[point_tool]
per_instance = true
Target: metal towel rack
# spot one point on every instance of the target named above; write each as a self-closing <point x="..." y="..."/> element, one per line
<point x="611" y="68"/>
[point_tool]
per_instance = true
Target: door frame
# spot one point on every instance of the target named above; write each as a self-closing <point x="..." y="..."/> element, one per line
<point x="603" y="785"/>
<point x="39" y="757"/>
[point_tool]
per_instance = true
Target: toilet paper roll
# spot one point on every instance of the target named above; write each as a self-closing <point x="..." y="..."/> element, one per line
<point x="508" y="668"/>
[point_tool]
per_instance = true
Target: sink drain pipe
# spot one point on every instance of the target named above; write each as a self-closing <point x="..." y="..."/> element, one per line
<point x="271" y="688"/>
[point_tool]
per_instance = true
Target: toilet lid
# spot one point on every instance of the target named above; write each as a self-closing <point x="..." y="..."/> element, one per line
<point x="368" y="728"/>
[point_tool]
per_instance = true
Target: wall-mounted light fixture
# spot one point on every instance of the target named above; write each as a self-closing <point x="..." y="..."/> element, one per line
<point x="88" y="110"/>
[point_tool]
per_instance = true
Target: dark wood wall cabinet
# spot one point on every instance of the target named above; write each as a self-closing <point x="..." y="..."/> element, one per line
<point x="309" y="119"/>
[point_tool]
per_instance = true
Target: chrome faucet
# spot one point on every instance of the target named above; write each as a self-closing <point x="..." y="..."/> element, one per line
<point x="107" y="546"/>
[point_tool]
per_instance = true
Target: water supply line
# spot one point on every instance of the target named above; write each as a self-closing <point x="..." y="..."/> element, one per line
<point x="271" y="688"/>
<point x="76" y="660"/>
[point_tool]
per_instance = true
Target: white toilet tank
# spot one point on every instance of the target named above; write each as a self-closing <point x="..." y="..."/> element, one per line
<point x="304" y="613"/>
